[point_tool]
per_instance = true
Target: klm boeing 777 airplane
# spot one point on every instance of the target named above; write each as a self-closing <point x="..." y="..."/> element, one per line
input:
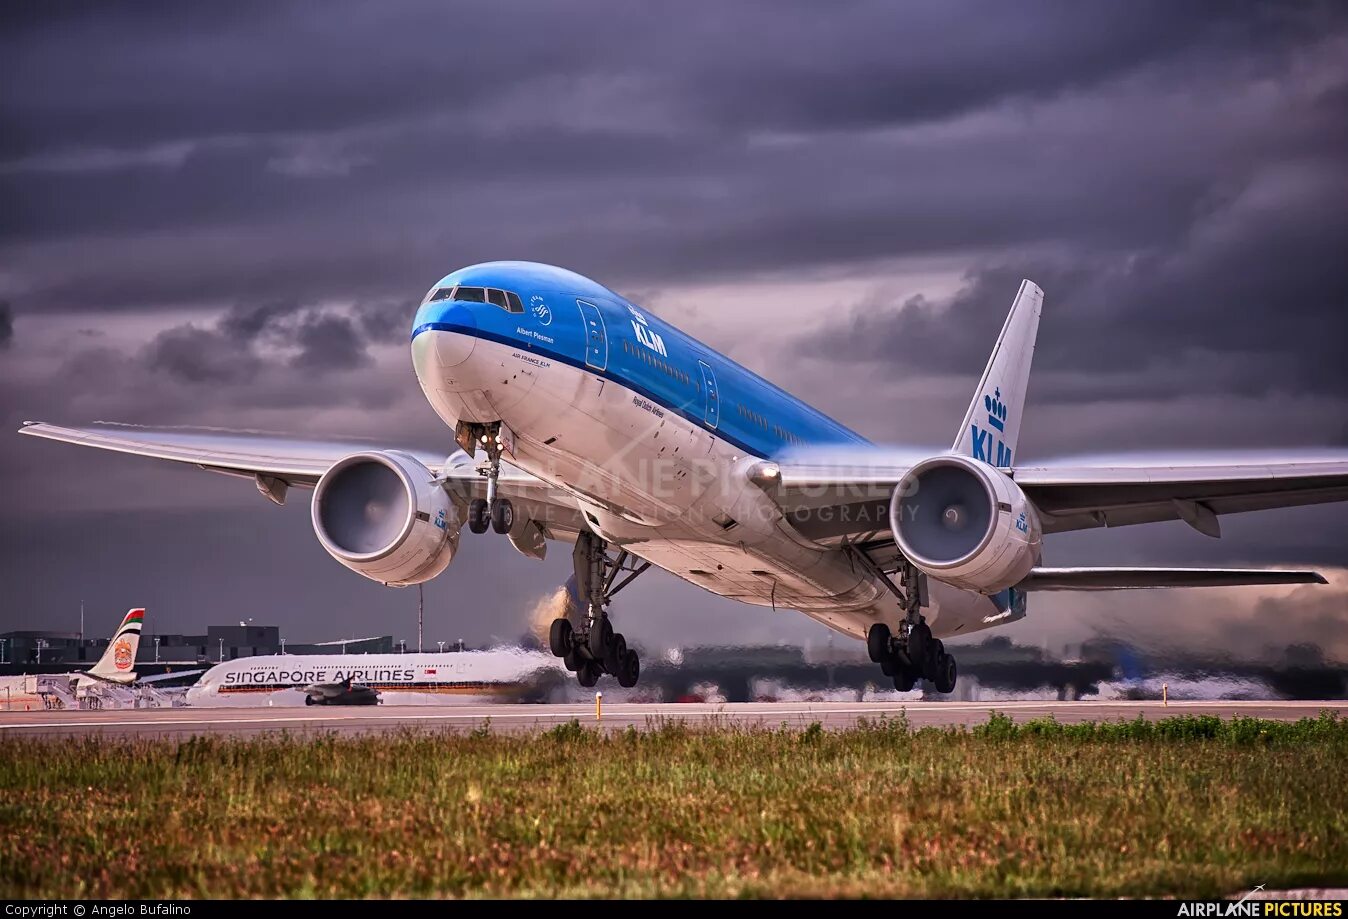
<point x="582" y="417"/>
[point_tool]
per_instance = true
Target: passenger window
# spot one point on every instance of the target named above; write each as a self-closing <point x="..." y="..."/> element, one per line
<point x="515" y="305"/>
<point x="497" y="298"/>
<point x="470" y="294"/>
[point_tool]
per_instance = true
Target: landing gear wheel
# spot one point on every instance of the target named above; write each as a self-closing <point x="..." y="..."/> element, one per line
<point x="479" y="517"/>
<point x="947" y="673"/>
<point x="502" y="515"/>
<point x="308" y="700"/>
<point x="559" y="637"/>
<point x="598" y="577"/>
<point x="617" y="654"/>
<point x="889" y="666"/>
<point x="935" y="662"/>
<point x="588" y="674"/>
<point x="904" y="679"/>
<point x="601" y="637"/>
<point x="629" y="671"/>
<point x="877" y="643"/>
<point x="572" y="662"/>
<point x="919" y="645"/>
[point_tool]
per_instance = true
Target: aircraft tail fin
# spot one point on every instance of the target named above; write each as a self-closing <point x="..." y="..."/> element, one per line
<point x="118" y="663"/>
<point x="992" y="425"/>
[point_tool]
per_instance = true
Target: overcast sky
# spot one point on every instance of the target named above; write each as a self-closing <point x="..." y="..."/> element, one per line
<point x="224" y="214"/>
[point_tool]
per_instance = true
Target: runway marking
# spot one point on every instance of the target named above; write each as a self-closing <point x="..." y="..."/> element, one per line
<point x="633" y="710"/>
<point x="406" y="715"/>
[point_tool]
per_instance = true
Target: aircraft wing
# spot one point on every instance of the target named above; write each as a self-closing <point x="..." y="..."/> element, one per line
<point x="1080" y="497"/>
<point x="850" y="499"/>
<point x="300" y="462"/>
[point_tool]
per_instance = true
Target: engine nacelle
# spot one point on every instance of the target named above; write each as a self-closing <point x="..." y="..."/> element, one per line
<point x="380" y="515"/>
<point x="966" y="523"/>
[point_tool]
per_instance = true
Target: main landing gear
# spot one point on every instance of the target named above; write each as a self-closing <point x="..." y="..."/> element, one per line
<point x="496" y="513"/>
<point x="595" y="649"/>
<point x="913" y="654"/>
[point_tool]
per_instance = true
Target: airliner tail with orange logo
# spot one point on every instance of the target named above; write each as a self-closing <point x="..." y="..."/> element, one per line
<point x="118" y="663"/>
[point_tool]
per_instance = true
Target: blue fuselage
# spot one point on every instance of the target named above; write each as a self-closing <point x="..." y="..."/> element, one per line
<point x="565" y="317"/>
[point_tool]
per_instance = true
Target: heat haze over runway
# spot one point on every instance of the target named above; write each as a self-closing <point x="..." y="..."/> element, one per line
<point x="179" y="723"/>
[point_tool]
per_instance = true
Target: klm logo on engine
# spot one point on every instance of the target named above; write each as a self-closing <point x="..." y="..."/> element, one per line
<point x="988" y="444"/>
<point x="646" y="335"/>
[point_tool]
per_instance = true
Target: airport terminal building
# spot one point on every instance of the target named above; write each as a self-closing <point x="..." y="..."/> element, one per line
<point x="30" y="650"/>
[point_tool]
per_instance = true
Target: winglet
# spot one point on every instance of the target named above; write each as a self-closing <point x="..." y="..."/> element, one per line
<point x="992" y="425"/>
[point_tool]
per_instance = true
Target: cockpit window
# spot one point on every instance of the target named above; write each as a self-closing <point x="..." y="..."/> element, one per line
<point x="470" y="294"/>
<point x="506" y="300"/>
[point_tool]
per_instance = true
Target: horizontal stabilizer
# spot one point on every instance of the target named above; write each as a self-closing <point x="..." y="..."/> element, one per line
<point x="167" y="677"/>
<point x="1139" y="578"/>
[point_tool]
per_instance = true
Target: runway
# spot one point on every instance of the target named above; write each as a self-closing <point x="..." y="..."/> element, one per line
<point x="183" y="723"/>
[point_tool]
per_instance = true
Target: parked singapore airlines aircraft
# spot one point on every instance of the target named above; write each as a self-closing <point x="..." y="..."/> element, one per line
<point x="645" y="447"/>
<point x="361" y="679"/>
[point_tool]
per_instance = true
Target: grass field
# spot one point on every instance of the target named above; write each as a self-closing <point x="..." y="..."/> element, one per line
<point x="1186" y="806"/>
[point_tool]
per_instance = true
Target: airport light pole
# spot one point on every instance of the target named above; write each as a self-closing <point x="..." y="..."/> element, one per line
<point x="442" y="646"/>
<point x="222" y="650"/>
<point x="283" y="646"/>
<point x="156" y="649"/>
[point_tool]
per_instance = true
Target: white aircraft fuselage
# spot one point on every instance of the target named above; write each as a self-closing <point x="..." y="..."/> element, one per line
<point x="652" y="477"/>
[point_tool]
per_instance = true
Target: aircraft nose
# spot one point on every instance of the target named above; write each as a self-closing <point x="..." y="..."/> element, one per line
<point x="455" y="334"/>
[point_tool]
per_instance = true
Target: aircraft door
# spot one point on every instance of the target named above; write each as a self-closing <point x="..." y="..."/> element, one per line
<point x="596" y="338"/>
<point x="713" y="410"/>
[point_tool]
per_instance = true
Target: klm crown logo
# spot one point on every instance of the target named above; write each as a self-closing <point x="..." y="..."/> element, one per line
<point x="989" y="447"/>
<point x="996" y="409"/>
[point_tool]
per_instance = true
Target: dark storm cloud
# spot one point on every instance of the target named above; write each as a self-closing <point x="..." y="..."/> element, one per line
<point x="241" y="202"/>
<point x="328" y="343"/>
<point x="6" y="325"/>
<point x="246" y="324"/>
<point x="1253" y="293"/>
<point x="291" y="71"/>
<point x="197" y="355"/>
<point x="383" y="321"/>
<point x="228" y="350"/>
<point x="755" y="136"/>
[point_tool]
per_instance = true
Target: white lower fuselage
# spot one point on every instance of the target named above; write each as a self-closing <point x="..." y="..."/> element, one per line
<point x="653" y="483"/>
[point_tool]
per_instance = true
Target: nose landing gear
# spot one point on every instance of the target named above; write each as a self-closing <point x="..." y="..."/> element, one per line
<point x="496" y="513"/>
<point x="595" y="648"/>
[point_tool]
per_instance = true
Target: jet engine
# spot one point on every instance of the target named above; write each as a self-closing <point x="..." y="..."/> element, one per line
<point x="380" y="515"/>
<point x="965" y="523"/>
